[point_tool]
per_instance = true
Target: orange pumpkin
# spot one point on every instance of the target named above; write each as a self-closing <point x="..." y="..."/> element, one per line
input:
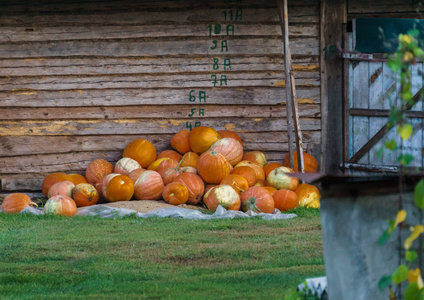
<point x="165" y="164"/>
<point x="102" y="184"/>
<point x="259" y="171"/>
<point x="237" y="182"/>
<point x="77" y="179"/>
<point x="135" y="174"/>
<point x="213" y="167"/>
<point x="270" y="190"/>
<point x="142" y="151"/>
<point x="285" y="200"/>
<point x="155" y="165"/>
<point x="16" y="202"/>
<point x="181" y="141"/>
<point x="85" y="194"/>
<point x="223" y="195"/>
<point x="61" y="188"/>
<point x="170" y="154"/>
<point x="256" y="157"/>
<point x="188" y="170"/>
<point x="126" y="165"/>
<point x="260" y="182"/>
<point x="279" y="179"/>
<point x="209" y="186"/>
<point x="202" y="138"/>
<point x="230" y="148"/>
<point x="175" y="193"/>
<point x="195" y="186"/>
<point x="229" y="134"/>
<point x="120" y="188"/>
<point x="60" y="205"/>
<point x="190" y="160"/>
<point x="257" y="199"/>
<point x="149" y="186"/>
<point x="307" y="194"/>
<point x="97" y="169"/>
<point x="271" y="166"/>
<point x="309" y="162"/>
<point x="51" y="179"/>
<point x="247" y="172"/>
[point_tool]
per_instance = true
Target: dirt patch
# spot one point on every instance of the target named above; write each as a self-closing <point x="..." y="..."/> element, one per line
<point x="145" y="206"/>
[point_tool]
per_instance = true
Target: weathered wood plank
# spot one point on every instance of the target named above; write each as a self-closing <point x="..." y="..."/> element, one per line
<point x="61" y="5"/>
<point x="115" y="97"/>
<point x="30" y="145"/>
<point x="376" y="102"/>
<point x="71" y="162"/>
<point x="27" y="182"/>
<point x="199" y="80"/>
<point x="137" y="65"/>
<point x="381" y="6"/>
<point x="169" y="111"/>
<point x="57" y="33"/>
<point x="143" y="126"/>
<point x="360" y="92"/>
<point x="154" y="48"/>
<point x="298" y="14"/>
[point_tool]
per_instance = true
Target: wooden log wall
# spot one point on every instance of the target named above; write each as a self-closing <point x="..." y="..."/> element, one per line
<point x="80" y="80"/>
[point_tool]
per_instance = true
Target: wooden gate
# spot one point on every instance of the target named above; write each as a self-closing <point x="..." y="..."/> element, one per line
<point x="369" y="91"/>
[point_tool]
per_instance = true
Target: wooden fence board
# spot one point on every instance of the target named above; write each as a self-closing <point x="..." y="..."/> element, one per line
<point x="143" y="126"/>
<point x="168" y="111"/>
<point x="30" y="145"/>
<point x="200" y="80"/>
<point x="114" y="97"/>
<point x="141" y="65"/>
<point x="154" y="48"/>
<point x="298" y="14"/>
<point x="57" y="33"/>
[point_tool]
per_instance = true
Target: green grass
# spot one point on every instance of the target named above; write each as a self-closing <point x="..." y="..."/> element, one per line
<point x="83" y="257"/>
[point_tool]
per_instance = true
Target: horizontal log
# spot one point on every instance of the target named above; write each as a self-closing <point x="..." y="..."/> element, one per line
<point x="137" y="65"/>
<point x="31" y="145"/>
<point x="118" y="97"/>
<point x="75" y="161"/>
<point x="60" y="5"/>
<point x="21" y="182"/>
<point x="145" y="126"/>
<point x="168" y="111"/>
<point x="121" y="16"/>
<point x="381" y="6"/>
<point x="243" y="79"/>
<point x="58" y="33"/>
<point x="158" y="47"/>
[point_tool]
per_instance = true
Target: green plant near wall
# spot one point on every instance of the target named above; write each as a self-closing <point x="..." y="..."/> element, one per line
<point x="407" y="54"/>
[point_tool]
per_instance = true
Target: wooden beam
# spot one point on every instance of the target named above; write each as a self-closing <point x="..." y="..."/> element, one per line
<point x="382" y="113"/>
<point x="291" y="88"/>
<point x="385" y="129"/>
<point x="333" y="16"/>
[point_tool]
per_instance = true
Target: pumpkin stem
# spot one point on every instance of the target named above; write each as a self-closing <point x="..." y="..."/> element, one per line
<point x="179" y="164"/>
<point x="33" y="204"/>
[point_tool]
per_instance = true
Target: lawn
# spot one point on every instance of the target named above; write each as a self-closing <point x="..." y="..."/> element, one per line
<point x="86" y="257"/>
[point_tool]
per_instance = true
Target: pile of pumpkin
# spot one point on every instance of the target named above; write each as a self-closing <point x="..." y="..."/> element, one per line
<point x="205" y="165"/>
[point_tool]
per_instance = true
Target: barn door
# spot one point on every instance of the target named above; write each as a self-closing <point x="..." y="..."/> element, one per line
<point x="370" y="88"/>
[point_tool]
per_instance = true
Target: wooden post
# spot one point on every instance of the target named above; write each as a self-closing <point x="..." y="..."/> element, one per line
<point x="292" y="110"/>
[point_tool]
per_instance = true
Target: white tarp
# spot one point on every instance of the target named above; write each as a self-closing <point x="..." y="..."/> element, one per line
<point x="104" y="211"/>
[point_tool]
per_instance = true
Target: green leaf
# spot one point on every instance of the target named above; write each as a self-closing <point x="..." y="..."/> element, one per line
<point x="412" y="292"/>
<point x="411" y="256"/>
<point x="384" y="237"/>
<point x="380" y="153"/>
<point x="401" y="274"/>
<point x="391" y="145"/>
<point x="418" y="52"/>
<point x="405" y="159"/>
<point x="405" y="131"/>
<point x="419" y="194"/>
<point x="395" y="63"/>
<point x="406" y="96"/>
<point x="384" y="282"/>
